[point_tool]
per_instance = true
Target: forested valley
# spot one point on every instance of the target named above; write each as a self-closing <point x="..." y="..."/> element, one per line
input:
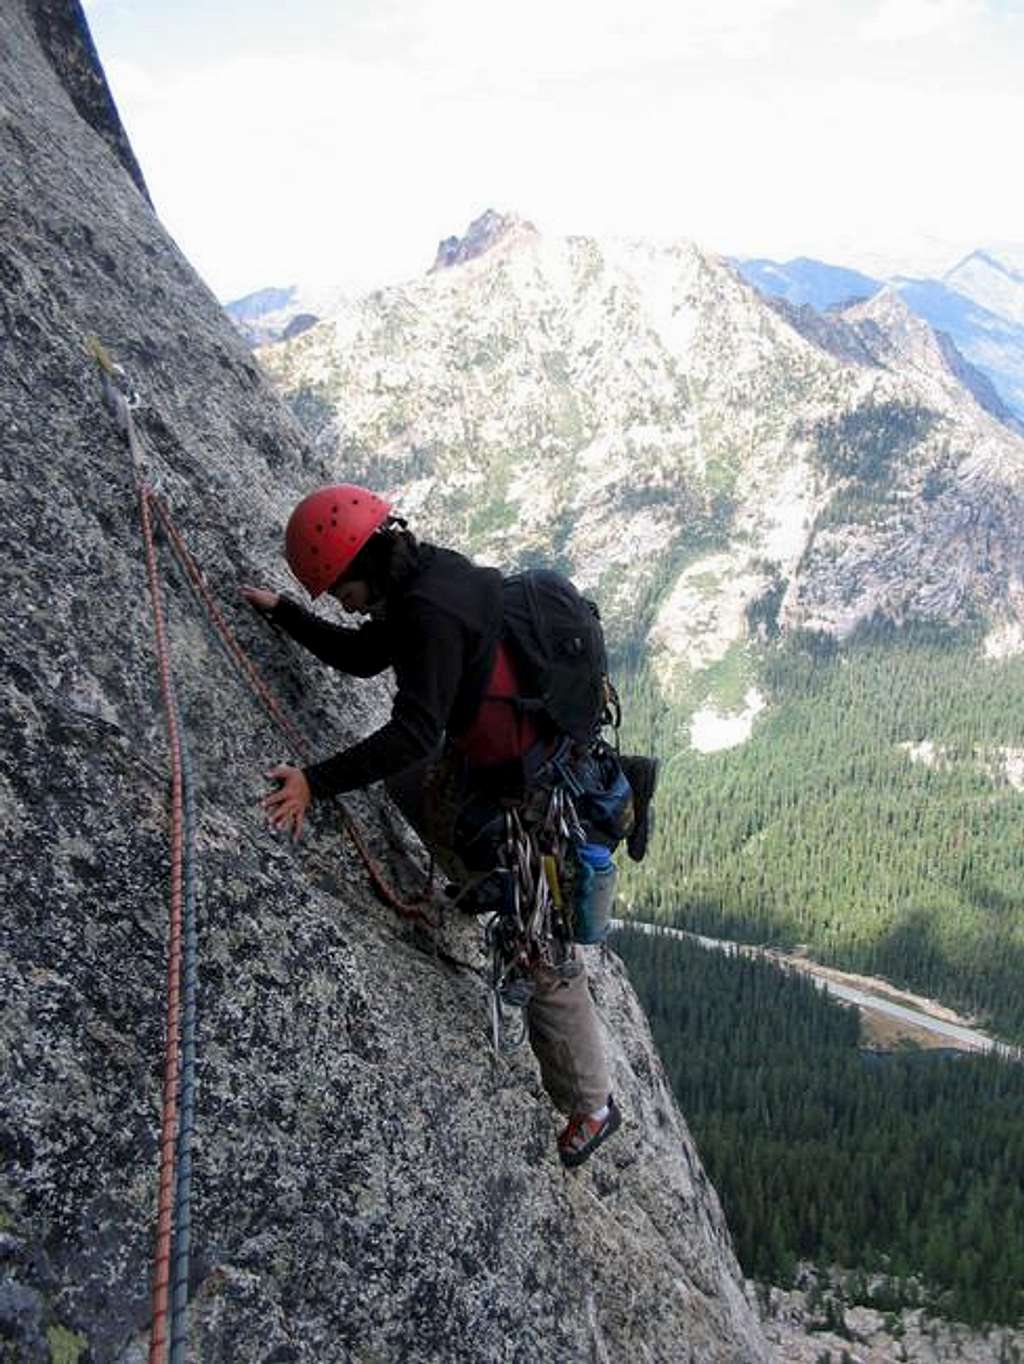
<point x="871" y="816"/>
<point x="905" y="1167"/>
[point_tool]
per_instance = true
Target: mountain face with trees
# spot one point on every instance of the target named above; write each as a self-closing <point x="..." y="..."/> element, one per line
<point x="644" y="415"/>
<point x="368" y="1181"/>
<point x="830" y="1154"/>
<point x="978" y="304"/>
<point x="804" y="533"/>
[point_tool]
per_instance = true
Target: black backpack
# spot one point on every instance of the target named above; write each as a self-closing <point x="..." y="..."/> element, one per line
<point x="556" y="640"/>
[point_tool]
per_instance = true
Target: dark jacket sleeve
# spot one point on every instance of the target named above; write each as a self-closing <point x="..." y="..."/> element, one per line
<point x="430" y="649"/>
<point x="362" y="652"/>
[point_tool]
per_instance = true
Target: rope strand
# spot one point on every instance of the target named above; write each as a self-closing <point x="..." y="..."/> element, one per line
<point x="172" y="1248"/>
<point x="182" y="1245"/>
<point x="168" y="1126"/>
<point x="174" y="1184"/>
<point x="248" y="669"/>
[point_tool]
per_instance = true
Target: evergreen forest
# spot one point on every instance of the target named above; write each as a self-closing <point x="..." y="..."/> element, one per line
<point x="907" y="1166"/>
<point x="871" y="816"/>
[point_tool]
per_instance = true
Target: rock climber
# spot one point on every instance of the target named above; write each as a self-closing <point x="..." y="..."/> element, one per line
<point x="435" y="618"/>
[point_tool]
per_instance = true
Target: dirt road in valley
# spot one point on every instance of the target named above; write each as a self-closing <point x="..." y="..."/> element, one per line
<point x="890" y="1014"/>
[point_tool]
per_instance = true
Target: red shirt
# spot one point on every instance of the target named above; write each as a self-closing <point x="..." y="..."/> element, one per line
<point x="499" y="732"/>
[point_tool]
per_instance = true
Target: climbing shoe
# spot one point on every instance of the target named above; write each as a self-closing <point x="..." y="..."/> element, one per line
<point x="582" y="1135"/>
<point x="642" y="775"/>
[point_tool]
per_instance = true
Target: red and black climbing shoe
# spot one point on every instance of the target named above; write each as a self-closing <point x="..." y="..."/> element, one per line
<point x="642" y="775"/>
<point x="583" y="1134"/>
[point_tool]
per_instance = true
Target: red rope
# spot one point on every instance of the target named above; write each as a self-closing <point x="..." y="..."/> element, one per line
<point x="159" y="1335"/>
<point x="286" y="725"/>
<point x="169" y="1122"/>
<point x="158" y="1339"/>
<point x="405" y="909"/>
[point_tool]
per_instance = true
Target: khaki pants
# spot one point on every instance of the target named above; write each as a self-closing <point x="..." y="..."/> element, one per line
<point x="563" y="1029"/>
<point x="566" y="1040"/>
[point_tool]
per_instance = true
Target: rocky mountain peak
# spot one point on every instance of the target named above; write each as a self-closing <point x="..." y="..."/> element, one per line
<point x="890" y="331"/>
<point x="978" y="304"/>
<point x="483" y="235"/>
<point x="888" y="308"/>
<point x="892" y="334"/>
<point x="993" y="279"/>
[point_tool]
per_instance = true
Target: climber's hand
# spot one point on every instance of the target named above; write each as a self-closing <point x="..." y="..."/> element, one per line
<point x="261" y="599"/>
<point x="286" y="807"/>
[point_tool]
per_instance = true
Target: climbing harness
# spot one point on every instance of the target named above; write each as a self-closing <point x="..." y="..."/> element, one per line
<point x="554" y="879"/>
<point x="171" y="1258"/>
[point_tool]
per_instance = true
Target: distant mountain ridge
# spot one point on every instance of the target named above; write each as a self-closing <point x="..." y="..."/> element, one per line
<point x="807" y="281"/>
<point x="994" y="282"/>
<point x="979" y="304"/>
<point x="278" y="314"/>
<point x="671" y="437"/>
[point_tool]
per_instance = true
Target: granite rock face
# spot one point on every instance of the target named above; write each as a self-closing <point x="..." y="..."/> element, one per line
<point x="370" y="1183"/>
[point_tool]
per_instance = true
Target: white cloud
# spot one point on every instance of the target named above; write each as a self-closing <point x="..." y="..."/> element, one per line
<point x="898" y="20"/>
<point x="134" y="84"/>
<point x="573" y="38"/>
<point x="263" y="169"/>
<point x="734" y="124"/>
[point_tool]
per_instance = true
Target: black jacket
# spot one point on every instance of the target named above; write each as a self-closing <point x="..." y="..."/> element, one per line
<point x="438" y="631"/>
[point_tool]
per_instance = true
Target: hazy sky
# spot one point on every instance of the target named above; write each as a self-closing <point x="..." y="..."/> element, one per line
<point x="339" y="141"/>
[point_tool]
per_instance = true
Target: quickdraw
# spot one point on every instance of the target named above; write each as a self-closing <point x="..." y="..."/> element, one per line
<point x="533" y="925"/>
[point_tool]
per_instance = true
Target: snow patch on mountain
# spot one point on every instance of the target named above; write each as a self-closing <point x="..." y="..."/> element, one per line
<point x="780" y="501"/>
<point x="1004" y="640"/>
<point x="711" y="731"/>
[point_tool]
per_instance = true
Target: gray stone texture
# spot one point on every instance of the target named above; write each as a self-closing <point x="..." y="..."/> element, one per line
<point x="371" y="1185"/>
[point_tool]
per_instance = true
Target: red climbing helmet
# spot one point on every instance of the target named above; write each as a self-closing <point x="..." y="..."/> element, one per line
<point x="328" y="529"/>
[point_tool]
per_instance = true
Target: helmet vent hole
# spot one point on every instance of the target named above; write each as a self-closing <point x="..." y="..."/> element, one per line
<point x="320" y="530"/>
